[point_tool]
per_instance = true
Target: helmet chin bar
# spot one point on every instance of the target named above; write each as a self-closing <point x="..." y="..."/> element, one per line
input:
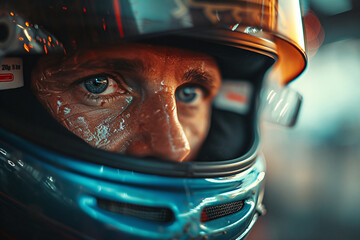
<point x="81" y="199"/>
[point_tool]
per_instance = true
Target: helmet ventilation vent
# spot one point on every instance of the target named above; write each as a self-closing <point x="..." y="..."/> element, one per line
<point x="155" y="214"/>
<point x="222" y="210"/>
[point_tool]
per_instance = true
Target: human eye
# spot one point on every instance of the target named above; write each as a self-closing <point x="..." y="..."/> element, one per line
<point x="99" y="85"/>
<point x="190" y="94"/>
<point x="101" y="89"/>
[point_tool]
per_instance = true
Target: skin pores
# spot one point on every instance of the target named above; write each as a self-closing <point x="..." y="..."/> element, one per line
<point x="135" y="99"/>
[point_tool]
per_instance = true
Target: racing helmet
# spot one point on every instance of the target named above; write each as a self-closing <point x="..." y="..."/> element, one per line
<point x="56" y="185"/>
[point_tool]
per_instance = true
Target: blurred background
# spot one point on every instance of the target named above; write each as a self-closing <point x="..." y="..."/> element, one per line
<point x="313" y="169"/>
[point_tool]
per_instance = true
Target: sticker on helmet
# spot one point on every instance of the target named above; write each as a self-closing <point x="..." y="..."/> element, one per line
<point x="11" y="73"/>
<point x="234" y="96"/>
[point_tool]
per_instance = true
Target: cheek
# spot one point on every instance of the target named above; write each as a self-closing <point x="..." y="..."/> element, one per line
<point x="107" y="128"/>
<point x="195" y="123"/>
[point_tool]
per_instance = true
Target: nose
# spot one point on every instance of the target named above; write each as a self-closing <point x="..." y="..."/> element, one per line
<point x="162" y="134"/>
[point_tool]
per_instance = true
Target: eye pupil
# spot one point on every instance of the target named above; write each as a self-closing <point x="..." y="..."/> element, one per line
<point x="96" y="85"/>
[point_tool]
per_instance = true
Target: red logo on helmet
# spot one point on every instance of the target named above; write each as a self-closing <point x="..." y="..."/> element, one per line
<point x="6" y="77"/>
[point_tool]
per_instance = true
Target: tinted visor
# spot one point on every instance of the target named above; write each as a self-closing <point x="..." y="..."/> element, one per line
<point x="275" y="25"/>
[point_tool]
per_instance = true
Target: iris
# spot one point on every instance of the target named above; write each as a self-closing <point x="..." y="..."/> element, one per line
<point x="96" y="85"/>
<point x="188" y="94"/>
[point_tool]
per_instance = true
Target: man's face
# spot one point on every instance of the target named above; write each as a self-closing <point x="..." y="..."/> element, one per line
<point x="135" y="99"/>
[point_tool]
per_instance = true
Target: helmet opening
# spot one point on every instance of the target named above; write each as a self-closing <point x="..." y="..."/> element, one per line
<point x="232" y="136"/>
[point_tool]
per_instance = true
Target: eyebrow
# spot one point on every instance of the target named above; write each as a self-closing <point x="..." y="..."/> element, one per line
<point x="121" y="64"/>
<point x="199" y="76"/>
<point x="118" y="64"/>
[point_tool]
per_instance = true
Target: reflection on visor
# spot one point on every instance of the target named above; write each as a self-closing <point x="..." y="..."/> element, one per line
<point x="281" y="105"/>
<point x="78" y="23"/>
<point x="22" y="37"/>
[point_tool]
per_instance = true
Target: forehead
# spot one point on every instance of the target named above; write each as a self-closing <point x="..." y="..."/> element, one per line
<point x="146" y="52"/>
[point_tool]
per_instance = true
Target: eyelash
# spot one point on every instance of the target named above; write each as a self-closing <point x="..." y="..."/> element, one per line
<point x="93" y="96"/>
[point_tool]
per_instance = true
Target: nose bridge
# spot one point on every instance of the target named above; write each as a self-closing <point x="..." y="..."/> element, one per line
<point x="164" y="133"/>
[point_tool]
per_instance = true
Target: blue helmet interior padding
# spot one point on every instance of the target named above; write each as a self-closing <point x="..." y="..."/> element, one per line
<point x="59" y="197"/>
